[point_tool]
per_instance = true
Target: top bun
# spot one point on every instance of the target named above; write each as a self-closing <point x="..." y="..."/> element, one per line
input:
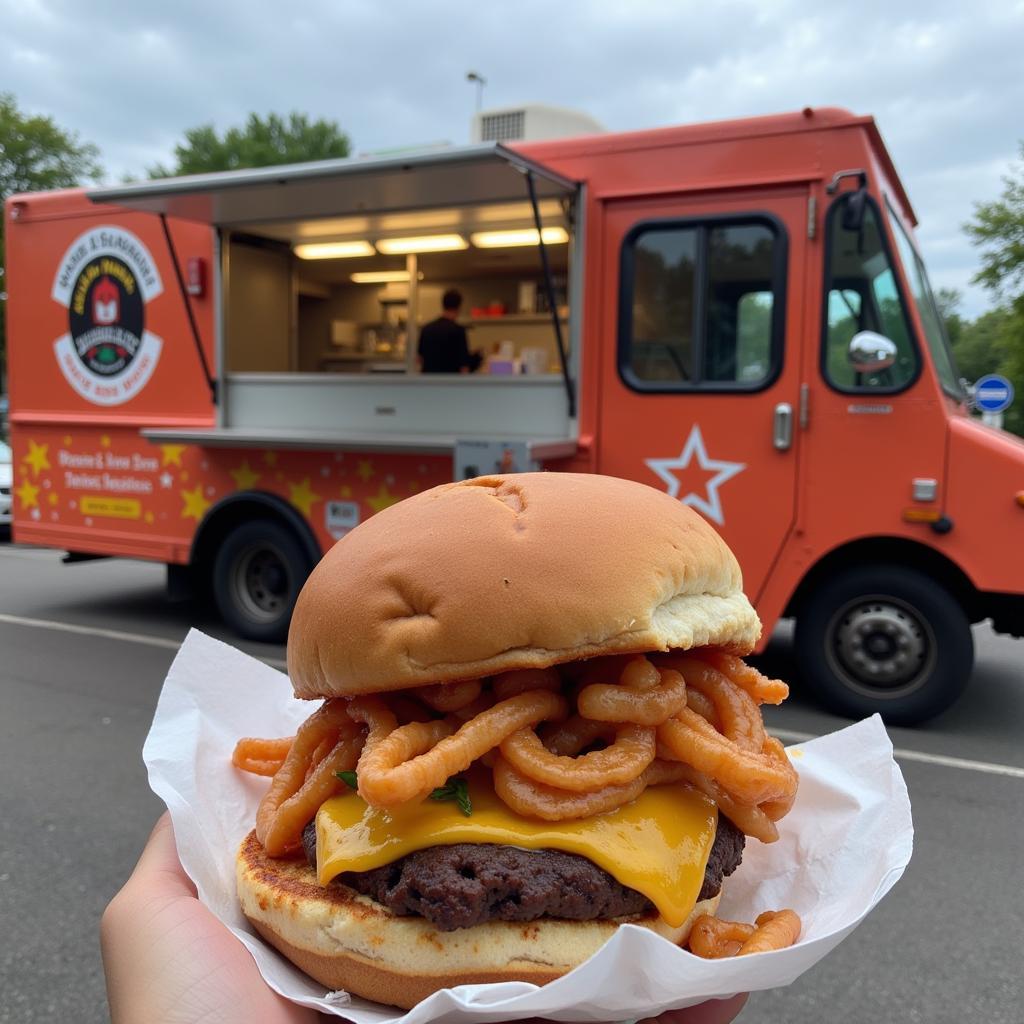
<point x="511" y="572"/>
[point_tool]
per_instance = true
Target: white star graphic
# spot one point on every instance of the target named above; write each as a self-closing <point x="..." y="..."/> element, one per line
<point x="166" y="480"/>
<point x="711" y="505"/>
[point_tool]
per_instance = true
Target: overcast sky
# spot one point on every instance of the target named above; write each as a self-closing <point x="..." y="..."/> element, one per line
<point x="944" y="80"/>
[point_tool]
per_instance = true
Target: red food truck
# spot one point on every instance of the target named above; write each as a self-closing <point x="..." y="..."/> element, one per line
<point x="219" y="372"/>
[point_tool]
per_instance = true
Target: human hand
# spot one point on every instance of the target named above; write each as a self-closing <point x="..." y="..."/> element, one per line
<point x="168" y="958"/>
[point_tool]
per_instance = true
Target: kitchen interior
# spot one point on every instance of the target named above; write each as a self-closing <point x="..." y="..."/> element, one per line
<point x="347" y="295"/>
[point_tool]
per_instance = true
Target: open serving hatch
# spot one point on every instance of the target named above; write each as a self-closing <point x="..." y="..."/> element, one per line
<point x="270" y="383"/>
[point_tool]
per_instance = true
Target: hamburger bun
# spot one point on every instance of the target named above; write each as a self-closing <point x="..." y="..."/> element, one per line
<point x="511" y="572"/>
<point x="348" y="941"/>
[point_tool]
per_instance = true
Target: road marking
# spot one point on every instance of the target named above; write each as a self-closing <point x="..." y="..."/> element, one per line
<point x="988" y="767"/>
<point x="114" y="634"/>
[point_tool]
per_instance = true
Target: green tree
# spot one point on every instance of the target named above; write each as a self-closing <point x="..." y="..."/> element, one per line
<point x="998" y="231"/>
<point x="948" y="300"/>
<point x="261" y="142"/>
<point x="982" y="344"/>
<point x="36" y="155"/>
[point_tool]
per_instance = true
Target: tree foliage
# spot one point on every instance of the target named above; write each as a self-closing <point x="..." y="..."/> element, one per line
<point x="260" y="142"/>
<point x="35" y="155"/>
<point x="998" y="231"/>
<point x="995" y="341"/>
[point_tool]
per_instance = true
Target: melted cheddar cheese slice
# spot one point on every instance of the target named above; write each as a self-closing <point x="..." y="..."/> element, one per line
<point x="658" y="844"/>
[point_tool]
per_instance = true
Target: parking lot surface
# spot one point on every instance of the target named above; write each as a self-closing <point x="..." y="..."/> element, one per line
<point x="84" y="650"/>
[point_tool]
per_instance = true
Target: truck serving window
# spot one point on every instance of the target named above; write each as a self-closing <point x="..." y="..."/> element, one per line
<point x="862" y="295"/>
<point x="701" y="304"/>
<point x="934" y="329"/>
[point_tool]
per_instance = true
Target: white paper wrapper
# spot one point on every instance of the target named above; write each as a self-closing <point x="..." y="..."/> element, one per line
<point x="843" y="846"/>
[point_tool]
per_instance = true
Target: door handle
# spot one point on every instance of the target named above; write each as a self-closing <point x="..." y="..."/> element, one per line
<point x="782" y="427"/>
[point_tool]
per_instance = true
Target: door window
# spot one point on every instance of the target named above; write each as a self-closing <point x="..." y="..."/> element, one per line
<point x="702" y="304"/>
<point x="862" y="295"/>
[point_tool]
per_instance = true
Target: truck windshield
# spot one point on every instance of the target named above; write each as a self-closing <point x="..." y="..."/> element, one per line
<point x="934" y="329"/>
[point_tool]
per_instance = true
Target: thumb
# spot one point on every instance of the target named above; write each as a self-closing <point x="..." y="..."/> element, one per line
<point x="159" y="869"/>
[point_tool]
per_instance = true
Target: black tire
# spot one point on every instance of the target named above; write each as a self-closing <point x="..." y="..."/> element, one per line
<point x="258" y="571"/>
<point x="885" y="639"/>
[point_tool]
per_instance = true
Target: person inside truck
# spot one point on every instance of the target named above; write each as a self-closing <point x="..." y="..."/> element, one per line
<point x="443" y="345"/>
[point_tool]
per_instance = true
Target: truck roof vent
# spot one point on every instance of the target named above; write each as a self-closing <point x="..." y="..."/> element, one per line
<point x="502" y="126"/>
<point x="531" y="122"/>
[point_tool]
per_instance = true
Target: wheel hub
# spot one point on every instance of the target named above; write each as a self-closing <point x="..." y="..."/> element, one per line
<point x="261" y="582"/>
<point x="882" y="644"/>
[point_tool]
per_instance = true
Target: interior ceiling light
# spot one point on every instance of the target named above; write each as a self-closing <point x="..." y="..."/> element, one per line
<point x="333" y="250"/>
<point x="521" y="236"/>
<point x="381" y="276"/>
<point x="425" y="243"/>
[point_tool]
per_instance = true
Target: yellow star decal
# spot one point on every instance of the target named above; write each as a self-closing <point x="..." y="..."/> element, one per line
<point x="148" y="517"/>
<point x="171" y="454"/>
<point x="183" y="476"/>
<point x="346" y="491"/>
<point x="303" y="497"/>
<point x="105" y="440"/>
<point x="52" y="498"/>
<point x="365" y="470"/>
<point x="244" y="477"/>
<point x="270" y="458"/>
<point x="67" y="440"/>
<point x="383" y="499"/>
<point x="37" y="458"/>
<point x="195" y="503"/>
<point x="29" y="495"/>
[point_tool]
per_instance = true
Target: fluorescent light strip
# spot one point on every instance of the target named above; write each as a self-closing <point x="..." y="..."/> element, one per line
<point x="379" y="276"/>
<point x="521" y="236"/>
<point x="424" y="243"/>
<point x="332" y="250"/>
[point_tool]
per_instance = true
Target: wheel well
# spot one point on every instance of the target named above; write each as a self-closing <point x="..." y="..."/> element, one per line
<point x="894" y="551"/>
<point x="244" y="507"/>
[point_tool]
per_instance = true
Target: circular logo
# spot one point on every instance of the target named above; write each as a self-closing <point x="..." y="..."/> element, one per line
<point x="106" y="316"/>
<point x="105" y="280"/>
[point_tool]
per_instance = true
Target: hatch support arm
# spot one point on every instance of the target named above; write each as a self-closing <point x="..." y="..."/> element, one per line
<point x="211" y="381"/>
<point x="549" y="287"/>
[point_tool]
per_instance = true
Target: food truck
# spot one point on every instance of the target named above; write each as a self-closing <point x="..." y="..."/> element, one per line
<point x="219" y="372"/>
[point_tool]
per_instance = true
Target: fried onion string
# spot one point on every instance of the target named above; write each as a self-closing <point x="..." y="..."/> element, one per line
<point x="657" y="704"/>
<point x="621" y="762"/>
<point x="408" y="763"/>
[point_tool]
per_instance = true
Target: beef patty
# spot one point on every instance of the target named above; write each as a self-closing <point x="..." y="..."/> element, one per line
<point x="467" y="884"/>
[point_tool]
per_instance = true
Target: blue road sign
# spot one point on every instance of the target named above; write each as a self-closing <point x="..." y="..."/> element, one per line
<point x="993" y="393"/>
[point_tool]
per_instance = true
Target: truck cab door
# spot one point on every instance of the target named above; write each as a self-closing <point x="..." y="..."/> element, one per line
<point x="700" y="385"/>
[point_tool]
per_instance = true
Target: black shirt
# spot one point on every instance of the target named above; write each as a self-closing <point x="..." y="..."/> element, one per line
<point x="443" y="347"/>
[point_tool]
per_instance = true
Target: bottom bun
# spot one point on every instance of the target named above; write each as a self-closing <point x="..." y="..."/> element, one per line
<point x="348" y="941"/>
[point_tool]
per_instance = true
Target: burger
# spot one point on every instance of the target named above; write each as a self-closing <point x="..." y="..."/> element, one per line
<point x="534" y="728"/>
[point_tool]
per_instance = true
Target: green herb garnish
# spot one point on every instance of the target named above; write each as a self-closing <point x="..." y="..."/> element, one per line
<point x="455" y="789"/>
<point x="349" y="778"/>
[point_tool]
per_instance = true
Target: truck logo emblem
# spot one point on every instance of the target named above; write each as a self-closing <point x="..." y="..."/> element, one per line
<point x="710" y="504"/>
<point x="105" y="280"/>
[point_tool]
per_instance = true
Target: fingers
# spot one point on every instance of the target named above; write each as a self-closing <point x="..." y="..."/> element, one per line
<point x="716" y="1011"/>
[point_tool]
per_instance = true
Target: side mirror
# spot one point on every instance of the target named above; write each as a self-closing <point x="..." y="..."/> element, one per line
<point x="853" y="209"/>
<point x="870" y="352"/>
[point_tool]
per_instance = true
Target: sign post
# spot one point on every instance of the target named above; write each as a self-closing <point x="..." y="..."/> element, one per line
<point x="993" y="395"/>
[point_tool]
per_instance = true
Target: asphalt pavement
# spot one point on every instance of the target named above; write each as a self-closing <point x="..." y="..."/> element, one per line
<point x="83" y="652"/>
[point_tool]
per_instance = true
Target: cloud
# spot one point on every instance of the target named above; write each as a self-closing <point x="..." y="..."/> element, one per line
<point x="941" y="78"/>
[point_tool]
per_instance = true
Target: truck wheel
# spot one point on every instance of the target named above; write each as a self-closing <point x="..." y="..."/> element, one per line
<point x="884" y="639"/>
<point x="257" y="575"/>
